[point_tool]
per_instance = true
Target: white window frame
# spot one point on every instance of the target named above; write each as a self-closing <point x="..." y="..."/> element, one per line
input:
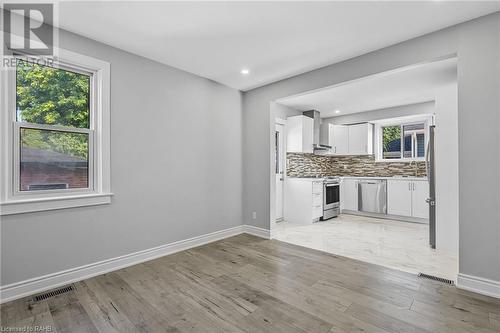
<point x="427" y="120"/>
<point x="14" y="201"/>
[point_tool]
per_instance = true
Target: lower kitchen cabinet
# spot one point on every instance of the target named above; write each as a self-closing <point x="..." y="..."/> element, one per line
<point x="399" y="197"/>
<point x="303" y="200"/>
<point x="349" y="194"/>
<point x="420" y="193"/>
<point x="407" y="198"/>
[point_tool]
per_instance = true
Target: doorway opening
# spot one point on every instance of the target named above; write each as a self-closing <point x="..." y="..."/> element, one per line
<point x="391" y="142"/>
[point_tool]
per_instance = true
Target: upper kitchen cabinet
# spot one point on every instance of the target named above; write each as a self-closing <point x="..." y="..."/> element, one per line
<point x="299" y="137"/>
<point x="360" y="139"/>
<point x="337" y="137"/>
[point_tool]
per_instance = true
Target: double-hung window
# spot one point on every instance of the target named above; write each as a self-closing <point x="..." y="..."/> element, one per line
<point x="402" y="141"/>
<point x="55" y="141"/>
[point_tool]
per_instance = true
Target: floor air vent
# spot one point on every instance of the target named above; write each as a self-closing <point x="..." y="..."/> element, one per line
<point x="435" y="278"/>
<point x="52" y="293"/>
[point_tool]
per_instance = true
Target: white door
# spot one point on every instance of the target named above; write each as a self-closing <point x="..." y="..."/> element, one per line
<point x="340" y="140"/>
<point x="420" y="208"/>
<point x="399" y="197"/>
<point x="349" y="194"/>
<point x="280" y="164"/>
<point x="358" y="139"/>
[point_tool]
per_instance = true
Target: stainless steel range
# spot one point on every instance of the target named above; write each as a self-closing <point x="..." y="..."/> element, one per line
<point x="331" y="197"/>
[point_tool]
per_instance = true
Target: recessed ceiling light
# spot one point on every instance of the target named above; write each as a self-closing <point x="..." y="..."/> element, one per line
<point x="245" y="71"/>
<point x="337" y="111"/>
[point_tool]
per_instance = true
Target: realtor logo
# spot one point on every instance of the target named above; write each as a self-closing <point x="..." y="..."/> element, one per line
<point x="27" y="28"/>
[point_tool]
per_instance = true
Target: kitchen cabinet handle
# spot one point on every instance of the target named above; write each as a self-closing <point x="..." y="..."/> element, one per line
<point x="409" y="186"/>
<point x="413" y="186"/>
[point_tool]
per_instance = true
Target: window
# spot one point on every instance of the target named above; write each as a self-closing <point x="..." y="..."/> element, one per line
<point x="56" y="125"/>
<point x="402" y="141"/>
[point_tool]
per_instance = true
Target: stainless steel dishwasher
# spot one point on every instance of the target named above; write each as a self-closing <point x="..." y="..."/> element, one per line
<point x="372" y="196"/>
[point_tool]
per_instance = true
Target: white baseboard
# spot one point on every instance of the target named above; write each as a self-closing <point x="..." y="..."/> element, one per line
<point x="256" y="231"/>
<point x="35" y="285"/>
<point x="479" y="285"/>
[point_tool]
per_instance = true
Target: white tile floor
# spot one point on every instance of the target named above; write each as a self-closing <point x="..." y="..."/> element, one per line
<point x="396" y="244"/>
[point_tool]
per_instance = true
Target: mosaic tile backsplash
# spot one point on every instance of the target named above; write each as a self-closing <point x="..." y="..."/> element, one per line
<point x="310" y="165"/>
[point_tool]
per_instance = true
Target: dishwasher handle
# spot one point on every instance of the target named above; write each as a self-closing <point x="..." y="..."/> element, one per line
<point x="371" y="182"/>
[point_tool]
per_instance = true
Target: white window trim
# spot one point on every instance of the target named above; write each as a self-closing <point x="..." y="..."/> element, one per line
<point x="13" y="201"/>
<point x="427" y="120"/>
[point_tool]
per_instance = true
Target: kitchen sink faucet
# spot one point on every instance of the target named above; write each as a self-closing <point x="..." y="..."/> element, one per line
<point x="415" y="167"/>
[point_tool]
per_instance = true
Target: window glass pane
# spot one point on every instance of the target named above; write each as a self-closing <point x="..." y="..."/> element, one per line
<point x="412" y="134"/>
<point x="421" y="145"/>
<point x="407" y="152"/>
<point x="53" y="160"/>
<point x="53" y="96"/>
<point x="391" y="142"/>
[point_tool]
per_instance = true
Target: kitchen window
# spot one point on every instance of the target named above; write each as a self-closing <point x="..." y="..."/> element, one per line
<point x="55" y="141"/>
<point x="403" y="141"/>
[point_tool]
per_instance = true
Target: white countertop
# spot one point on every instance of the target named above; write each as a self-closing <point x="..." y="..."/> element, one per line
<point x="308" y="179"/>
<point x="355" y="177"/>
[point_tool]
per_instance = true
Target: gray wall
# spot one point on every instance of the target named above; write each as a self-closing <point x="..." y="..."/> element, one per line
<point x="282" y="111"/>
<point x="392" y="112"/>
<point x="176" y="171"/>
<point x="477" y="45"/>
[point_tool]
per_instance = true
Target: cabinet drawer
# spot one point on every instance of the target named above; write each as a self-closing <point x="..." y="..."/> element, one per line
<point x="317" y="199"/>
<point x="317" y="188"/>
<point x="317" y="211"/>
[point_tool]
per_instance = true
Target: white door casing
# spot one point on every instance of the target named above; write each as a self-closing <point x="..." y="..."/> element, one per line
<point x="280" y="165"/>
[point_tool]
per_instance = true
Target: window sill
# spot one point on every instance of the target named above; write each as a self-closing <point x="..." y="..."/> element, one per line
<point x="399" y="160"/>
<point x="62" y="202"/>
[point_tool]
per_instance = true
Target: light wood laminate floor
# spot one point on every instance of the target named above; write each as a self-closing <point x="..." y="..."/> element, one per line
<point x="248" y="284"/>
<point x="395" y="244"/>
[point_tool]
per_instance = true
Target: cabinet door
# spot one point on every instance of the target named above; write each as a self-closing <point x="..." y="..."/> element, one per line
<point x="307" y="134"/>
<point x="399" y="197"/>
<point x="299" y="134"/>
<point x="349" y="194"/>
<point x="294" y="135"/>
<point x="358" y="139"/>
<point x="361" y="139"/>
<point x="420" y="208"/>
<point x="340" y="142"/>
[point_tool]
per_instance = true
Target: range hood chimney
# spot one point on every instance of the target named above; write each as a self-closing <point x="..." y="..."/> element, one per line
<point x="317" y="122"/>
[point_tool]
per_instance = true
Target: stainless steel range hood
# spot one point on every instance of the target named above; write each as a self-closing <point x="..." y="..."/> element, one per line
<point x="316" y="137"/>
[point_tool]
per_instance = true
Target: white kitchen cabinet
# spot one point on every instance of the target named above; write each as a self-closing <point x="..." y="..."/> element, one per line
<point x="399" y="197"/>
<point x="303" y="200"/>
<point x="420" y="192"/>
<point x="340" y="140"/>
<point x="349" y="194"/>
<point x="360" y="140"/>
<point x="299" y="134"/>
<point x="407" y="198"/>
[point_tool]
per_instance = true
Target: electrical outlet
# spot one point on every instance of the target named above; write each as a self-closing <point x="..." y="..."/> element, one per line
<point x="254" y="215"/>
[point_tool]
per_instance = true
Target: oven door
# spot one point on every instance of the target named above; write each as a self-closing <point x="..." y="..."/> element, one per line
<point x="331" y="197"/>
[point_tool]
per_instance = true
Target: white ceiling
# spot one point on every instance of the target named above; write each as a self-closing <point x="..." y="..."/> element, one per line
<point x="274" y="40"/>
<point x="409" y="85"/>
